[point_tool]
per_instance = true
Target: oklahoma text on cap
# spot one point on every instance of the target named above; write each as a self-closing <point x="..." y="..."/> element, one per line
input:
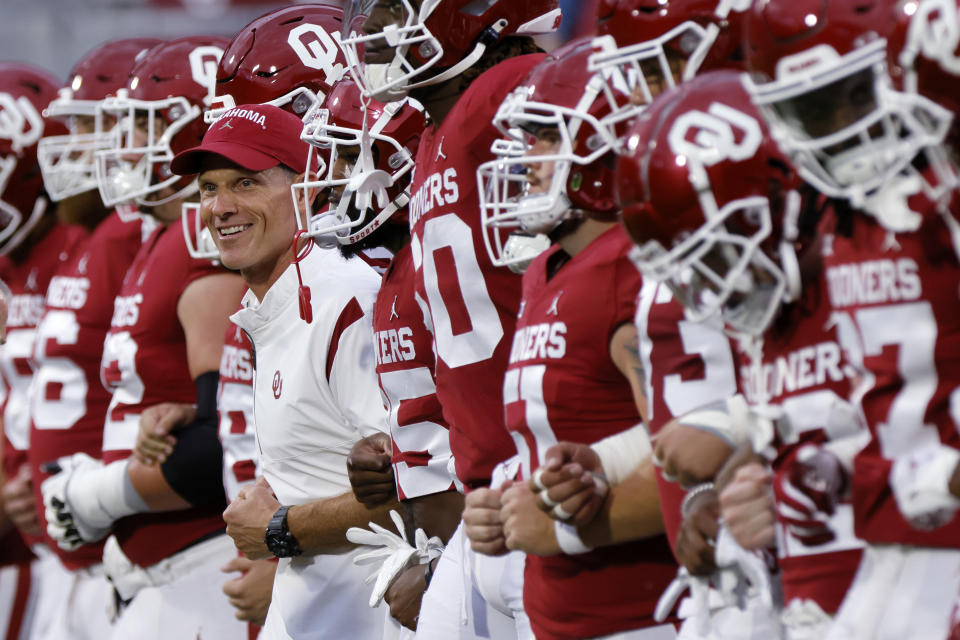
<point x="255" y="137"/>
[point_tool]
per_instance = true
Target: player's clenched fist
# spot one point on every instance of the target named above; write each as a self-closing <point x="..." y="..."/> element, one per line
<point x="481" y="520"/>
<point x="370" y="471"/>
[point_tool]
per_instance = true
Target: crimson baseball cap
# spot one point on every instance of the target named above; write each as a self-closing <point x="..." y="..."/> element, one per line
<point x="254" y="136"/>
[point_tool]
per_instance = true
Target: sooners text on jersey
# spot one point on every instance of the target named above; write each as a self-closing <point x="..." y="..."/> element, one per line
<point x="473" y="305"/>
<point x="561" y="384"/>
<point x="895" y="303"/>
<point x="403" y="347"/>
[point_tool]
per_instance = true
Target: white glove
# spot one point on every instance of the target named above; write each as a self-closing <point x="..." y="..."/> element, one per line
<point x="393" y="552"/>
<point x="84" y="499"/>
<point x="743" y="574"/>
<point x="920" y="482"/>
<point x="699" y="596"/>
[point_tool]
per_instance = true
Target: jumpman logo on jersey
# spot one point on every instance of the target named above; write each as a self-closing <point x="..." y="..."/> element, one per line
<point x="32" y="280"/>
<point x="523" y="303"/>
<point x="82" y="265"/>
<point x="237" y="336"/>
<point x="553" y="305"/>
<point x="393" y="310"/>
<point x="440" y="153"/>
<point x="226" y="124"/>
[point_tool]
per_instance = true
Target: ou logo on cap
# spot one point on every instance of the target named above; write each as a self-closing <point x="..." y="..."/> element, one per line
<point x="19" y="121"/>
<point x="317" y="49"/>
<point x="706" y="138"/>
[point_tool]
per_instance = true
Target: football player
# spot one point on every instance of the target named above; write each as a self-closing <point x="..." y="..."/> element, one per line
<point x="572" y="348"/>
<point x="67" y="402"/>
<point x="459" y="61"/>
<point x="728" y="235"/>
<point x="33" y="244"/>
<point x="865" y="117"/>
<point x="164" y="344"/>
<point x="312" y="397"/>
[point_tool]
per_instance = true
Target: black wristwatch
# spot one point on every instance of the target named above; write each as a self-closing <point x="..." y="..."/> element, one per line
<point x="280" y="541"/>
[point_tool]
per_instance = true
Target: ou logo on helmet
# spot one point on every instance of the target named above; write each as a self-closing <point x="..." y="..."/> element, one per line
<point x="203" y="68"/>
<point x="20" y="122"/>
<point x="317" y="49"/>
<point x="706" y="138"/>
<point x="934" y="32"/>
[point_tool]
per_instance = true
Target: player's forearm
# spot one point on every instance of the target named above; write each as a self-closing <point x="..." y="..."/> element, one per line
<point x="631" y="511"/>
<point x="438" y="514"/>
<point x="154" y="488"/>
<point x="320" y="526"/>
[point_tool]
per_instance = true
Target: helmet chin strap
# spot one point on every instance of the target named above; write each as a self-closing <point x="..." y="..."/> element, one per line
<point x="490" y="36"/>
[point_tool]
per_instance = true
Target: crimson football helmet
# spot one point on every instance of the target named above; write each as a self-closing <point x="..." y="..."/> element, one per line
<point x="450" y="35"/>
<point x="662" y="42"/>
<point x="289" y="58"/>
<point x="67" y="161"/>
<point x="365" y="151"/>
<point x="25" y="91"/>
<point x="159" y="114"/>
<point x="711" y="202"/>
<point x="559" y="94"/>
<point x="855" y="91"/>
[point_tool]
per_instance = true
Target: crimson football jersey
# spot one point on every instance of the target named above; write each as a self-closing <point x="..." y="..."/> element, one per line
<point x="238" y="434"/>
<point x="28" y="280"/>
<point x="895" y="300"/>
<point x="67" y="402"/>
<point x="561" y="384"/>
<point x="687" y="365"/>
<point x="473" y="305"/>
<point x="403" y="348"/>
<point x="145" y="363"/>
<point x="803" y="382"/>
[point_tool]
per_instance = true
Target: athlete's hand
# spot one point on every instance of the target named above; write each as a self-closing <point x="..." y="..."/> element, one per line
<point x="370" y="471"/>
<point x="74" y="509"/>
<point x="405" y="594"/>
<point x="921" y="483"/>
<point x="247" y="518"/>
<point x="746" y="505"/>
<point x="808" y="486"/>
<point x="154" y="442"/>
<point x="570" y="485"/>
<point x="250" y="592"/>
<point x="698" y="534"/>
<point x="19" y="504"/>
<point x="689" y="455"/>
<point x="481" y="520"/>
<point x="525" y="527"/>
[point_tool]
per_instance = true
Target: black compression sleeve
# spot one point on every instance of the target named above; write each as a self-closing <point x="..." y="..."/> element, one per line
<point x="195" y="468"/>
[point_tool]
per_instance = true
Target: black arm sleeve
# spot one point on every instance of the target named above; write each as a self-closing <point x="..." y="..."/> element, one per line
<point x="195" y="468"/>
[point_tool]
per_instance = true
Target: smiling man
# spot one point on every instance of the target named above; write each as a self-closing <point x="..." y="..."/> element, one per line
<point x="315" y="390"/>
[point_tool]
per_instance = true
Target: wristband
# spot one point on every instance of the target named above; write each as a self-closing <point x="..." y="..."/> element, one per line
<point x="568" y="539"/>
<point x="620" y="454"/>
<point x="691" y="495"/>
